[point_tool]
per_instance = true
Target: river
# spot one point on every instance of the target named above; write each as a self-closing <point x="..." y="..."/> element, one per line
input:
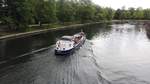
<point x="114" y="53"/>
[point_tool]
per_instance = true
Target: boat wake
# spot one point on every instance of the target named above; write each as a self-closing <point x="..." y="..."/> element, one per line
<point x="44" y="67"/>
<point x="90" y="60"/>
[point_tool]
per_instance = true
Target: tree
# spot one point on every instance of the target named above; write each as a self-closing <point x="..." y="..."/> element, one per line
<point x="45" y="11"/>
<point x="132" y="11"/>
<point x="18" y="14"/>
<point x="138" y="14"/>
<point x="66" y="11"/>
<point x="147" y="14"/>
<point x="86" y="13"/>
<point x="118" y="14"/>
<point x="109" y="12"/>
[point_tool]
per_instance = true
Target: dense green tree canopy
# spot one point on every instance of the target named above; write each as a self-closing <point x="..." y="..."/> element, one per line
<point x="132" y="13"/>
<point x="18" y="14"/>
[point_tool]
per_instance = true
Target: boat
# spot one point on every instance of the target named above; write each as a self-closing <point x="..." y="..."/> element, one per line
<point x="67" y="44"/>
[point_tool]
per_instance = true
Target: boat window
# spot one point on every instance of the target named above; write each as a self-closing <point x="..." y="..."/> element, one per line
<point x="68" y="38"/>
<point x="69" y="45"/>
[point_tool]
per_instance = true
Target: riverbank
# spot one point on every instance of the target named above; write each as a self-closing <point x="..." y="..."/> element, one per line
<point x="33" y="31"/>
<point x="39" y="31"/>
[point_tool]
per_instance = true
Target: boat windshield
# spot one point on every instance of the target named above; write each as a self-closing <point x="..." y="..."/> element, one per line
<point x="68" y="38"/>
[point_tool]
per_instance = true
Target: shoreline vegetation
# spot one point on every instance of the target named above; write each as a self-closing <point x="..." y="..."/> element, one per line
<point x="51" y="27"/>
<point x="20" y="16"/>
<point x="47" y="28"/>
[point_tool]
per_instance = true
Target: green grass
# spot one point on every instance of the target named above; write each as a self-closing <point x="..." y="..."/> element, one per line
<point x="44" y="26"/>
<point x="37" y="27"/>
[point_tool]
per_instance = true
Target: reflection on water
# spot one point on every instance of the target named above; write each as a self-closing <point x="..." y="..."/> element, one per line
<point x="123" y="54"/>
<point x="15" y="47"/>
<point x="113" y="53"/>
<point x="147" y="27"/>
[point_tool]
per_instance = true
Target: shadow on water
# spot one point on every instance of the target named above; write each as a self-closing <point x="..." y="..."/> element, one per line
<point x="13" y="48"/>
<point x="147" y="28"/>
<point x="45" y="68"/>
<point x="37" y="63"/>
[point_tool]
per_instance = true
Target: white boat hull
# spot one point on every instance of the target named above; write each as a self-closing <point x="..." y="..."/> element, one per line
<point x="69" y="51"/>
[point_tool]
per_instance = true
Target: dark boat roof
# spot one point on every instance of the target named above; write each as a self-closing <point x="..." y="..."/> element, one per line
<point x="66" y="38"/>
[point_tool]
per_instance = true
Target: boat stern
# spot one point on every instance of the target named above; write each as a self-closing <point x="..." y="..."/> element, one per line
<point x="64" y="47"/>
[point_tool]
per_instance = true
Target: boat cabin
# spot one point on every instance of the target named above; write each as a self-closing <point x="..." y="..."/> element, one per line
<point x="67" y="38"/>
<point x="77" y="38"/>
<point x="67" y="43"/>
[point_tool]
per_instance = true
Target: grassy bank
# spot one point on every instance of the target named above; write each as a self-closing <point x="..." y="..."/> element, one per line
<point x="34" y="27"/>
<point x="46" y="27"/>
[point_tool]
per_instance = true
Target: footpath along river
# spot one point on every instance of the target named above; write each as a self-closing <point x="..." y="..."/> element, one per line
<point x="114" y="53"/>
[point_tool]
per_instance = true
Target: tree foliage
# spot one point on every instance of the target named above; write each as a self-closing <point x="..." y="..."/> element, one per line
<point x="18" y="14"/>
<point x="132" y="13"/>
